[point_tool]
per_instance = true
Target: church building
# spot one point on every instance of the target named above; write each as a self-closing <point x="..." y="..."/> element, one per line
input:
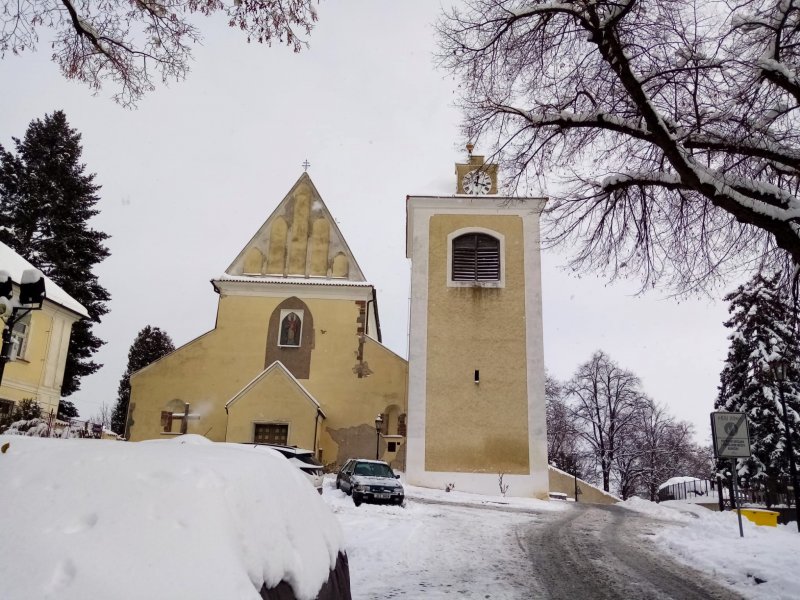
<point x="295" y="356"/>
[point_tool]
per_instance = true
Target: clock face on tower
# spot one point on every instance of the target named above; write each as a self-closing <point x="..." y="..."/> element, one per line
<point x="477" y="182"/>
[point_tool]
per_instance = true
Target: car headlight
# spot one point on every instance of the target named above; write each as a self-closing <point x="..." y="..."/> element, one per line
<point x="362" y="488"/>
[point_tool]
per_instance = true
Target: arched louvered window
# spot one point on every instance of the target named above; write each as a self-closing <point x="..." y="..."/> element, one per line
<point x="476" y="257"/>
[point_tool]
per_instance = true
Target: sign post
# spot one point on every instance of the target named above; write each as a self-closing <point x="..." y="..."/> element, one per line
<point x="731" y="440"/>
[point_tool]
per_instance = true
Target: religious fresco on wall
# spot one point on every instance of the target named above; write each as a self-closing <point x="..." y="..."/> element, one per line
<point x="291" y="327"/>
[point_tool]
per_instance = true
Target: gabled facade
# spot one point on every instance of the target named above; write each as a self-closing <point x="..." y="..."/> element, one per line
<point x="40" y="343"/>
<point x="295" y="356"/>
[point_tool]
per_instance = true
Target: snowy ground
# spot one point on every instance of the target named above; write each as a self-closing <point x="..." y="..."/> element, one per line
<point x="709" y="541"/>
<point x="467" y="549"/>
<point x="473" y="547"/>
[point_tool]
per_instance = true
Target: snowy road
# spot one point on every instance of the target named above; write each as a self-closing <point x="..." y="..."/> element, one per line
<point x="602" y="552"/>
<point x="548" y="551"/>
<point x="435" y="551"/>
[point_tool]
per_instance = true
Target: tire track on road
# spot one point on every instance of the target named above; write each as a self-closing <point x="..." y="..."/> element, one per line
<point x="600" y="552"/>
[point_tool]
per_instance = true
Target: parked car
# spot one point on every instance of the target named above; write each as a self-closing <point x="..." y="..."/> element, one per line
<point x="370" y="481"/>
<point x="303" y="460"/>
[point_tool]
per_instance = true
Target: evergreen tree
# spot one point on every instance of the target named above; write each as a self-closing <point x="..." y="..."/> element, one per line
<point x="150" y="344"/>
<point x="67" y="410"/>
<point x="46" y="201"/>
<point x="763" y="332"/>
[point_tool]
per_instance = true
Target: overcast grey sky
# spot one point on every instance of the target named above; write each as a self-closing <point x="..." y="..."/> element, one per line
<point x="190" y="175"/>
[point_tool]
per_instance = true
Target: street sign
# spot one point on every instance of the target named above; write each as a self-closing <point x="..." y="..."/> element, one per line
<point x="730" y="434"/>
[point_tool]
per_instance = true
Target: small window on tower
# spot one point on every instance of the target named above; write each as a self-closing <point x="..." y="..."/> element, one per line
<point x="475" y="258"/>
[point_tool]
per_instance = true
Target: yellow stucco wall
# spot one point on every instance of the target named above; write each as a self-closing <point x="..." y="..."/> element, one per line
<point x="274" y="398"/>
<point x="351" y="404"/>
<point x="210" y="370"/>
<point x="476" y="427"/>
<point x="183" y="375"/>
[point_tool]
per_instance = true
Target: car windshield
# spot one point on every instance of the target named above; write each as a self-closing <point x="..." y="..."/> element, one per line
<point x="373" y="470"/>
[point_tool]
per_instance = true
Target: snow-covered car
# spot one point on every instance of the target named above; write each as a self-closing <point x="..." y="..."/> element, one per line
<point x="177" y="518"/>
<point x="303" y="460"/>
<point x="370" y="481"/>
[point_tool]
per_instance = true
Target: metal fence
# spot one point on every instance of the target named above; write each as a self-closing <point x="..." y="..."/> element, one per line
<point x="708" y="491"/>
<point x="697" y="489"/>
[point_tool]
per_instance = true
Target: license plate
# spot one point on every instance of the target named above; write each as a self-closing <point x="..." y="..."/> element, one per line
<point x="383" y="496"/>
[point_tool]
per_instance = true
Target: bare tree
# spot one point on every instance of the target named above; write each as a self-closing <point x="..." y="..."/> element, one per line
<point x="604" y="399"/>
<point x="628" y="462"/>
<point x="563" y="438"/>
<point x="103" y="416"/>
<point x="134" y="43"/>
<point x="659" y="447"/>
<point x="673" y="124"/>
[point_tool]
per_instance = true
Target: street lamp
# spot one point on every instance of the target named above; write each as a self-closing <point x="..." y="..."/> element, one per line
<point x="378" y="425"/>
<point x="31" y="297"/>
<point x="780" y="371"/>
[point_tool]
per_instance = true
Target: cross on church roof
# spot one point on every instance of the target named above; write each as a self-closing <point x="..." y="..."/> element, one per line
<point x="306" y="164"/>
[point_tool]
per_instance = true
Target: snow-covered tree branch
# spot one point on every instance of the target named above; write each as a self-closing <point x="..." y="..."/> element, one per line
<point x="135" y="43"/>
<point x="671" y="125"/>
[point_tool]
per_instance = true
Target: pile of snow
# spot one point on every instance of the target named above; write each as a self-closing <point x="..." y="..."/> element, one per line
<point x="183" y="518"/>
<point x="709" y="541"/>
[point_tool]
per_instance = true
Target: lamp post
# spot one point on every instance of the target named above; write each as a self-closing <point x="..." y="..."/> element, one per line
<point x="779" y="370"/>
<point x="378" y="425"/>
<point x="575" y="480"/>
<point x="31" y="297"/>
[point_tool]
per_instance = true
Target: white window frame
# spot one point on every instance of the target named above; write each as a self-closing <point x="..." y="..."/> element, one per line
<point x="500" y="283"/>
<point x="19" y="340"/>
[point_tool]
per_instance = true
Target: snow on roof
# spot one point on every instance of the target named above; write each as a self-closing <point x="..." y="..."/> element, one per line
<point x="368" y="460"/>
<point x="675" y="480"/>
<point x="15" y="265"/>
<point x="177" y="518"/>
<point x="293" y="280"/>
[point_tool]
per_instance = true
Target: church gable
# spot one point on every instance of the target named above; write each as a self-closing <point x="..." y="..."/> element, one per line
<point x="274" y="403"/>
<point x="300" y="239"/>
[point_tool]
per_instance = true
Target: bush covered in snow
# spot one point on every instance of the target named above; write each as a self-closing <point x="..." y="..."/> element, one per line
<point x="30" y="427"/>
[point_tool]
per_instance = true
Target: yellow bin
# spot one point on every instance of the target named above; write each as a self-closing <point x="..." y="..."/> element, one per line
<point x="759" y="516"/>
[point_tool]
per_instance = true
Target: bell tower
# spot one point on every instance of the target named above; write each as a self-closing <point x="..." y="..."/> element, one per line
<point x="476" y="405"/>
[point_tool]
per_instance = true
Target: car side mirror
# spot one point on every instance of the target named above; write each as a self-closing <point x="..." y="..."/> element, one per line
<point x="397" y="476"/>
